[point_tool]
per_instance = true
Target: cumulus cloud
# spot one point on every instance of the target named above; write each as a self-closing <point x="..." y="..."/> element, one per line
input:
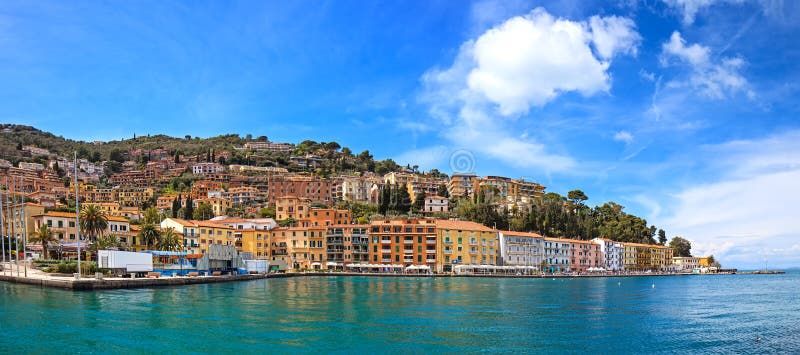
<point x="714" y="80"/>
<point x="623" y="136"/>
<point x="524" y="62"/>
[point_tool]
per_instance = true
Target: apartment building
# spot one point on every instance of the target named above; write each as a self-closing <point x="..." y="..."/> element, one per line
<point x="464" y="242"/>
<point x="403" y="242"/>
<point x="584" y="254"/>
<point x="347" y="244"/>
<point x="613" y="253"/>
<point x="521" y="249"/>
<point x="557" y="255"/>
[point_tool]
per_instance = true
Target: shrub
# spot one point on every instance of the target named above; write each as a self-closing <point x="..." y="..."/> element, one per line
<point x="87" y="267"/>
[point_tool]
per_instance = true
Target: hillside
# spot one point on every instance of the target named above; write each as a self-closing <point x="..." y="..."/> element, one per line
<point x="332" y="157"/>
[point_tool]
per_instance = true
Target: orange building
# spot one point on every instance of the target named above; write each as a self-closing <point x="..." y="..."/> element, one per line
<point x="403" y="242"/>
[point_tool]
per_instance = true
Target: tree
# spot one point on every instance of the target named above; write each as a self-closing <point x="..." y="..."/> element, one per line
<point x="442" y="191"/>
<point x="203" y="212"/>
<point x="267" y="212"/>
<point x="662" y="237"/>
<point x="152" y="216"/>
<point x="149" y="235"/>
<point x="577" y="196"/>
<point x="419" y="201"/>
<point x="682" y="247"/>
<point x="110" y="241"/>
<point x="93" y="221"/>
<point x="176" y="206"/>
<point x="188" y="213"/>
<point x="44" y="236"/>
<point x="169" y="241"/>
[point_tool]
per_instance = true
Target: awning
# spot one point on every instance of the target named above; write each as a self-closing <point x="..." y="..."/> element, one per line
<point x="316" y="264"/>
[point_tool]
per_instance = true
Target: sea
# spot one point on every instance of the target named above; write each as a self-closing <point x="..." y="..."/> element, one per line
<point x="702" y="314"/>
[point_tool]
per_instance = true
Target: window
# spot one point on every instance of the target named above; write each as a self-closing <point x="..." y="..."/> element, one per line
<point x="397" y="258"/>
<point x="72" y="224"/>
<point x="60" y="224"/>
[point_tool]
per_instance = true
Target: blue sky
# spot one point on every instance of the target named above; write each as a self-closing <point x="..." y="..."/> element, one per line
<point x="684" y="111"/>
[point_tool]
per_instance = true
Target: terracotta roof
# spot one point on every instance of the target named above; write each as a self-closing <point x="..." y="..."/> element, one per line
<point x="463" y="225"/>
<point x="58" y="214"/>
<point x="558" y="240"/>
<point x="183" y="222"/>
<point x="116" y="219"/>
<point x="645" y="245"/>
<point x="348" y="226"/>
<point x="521" y="234"/>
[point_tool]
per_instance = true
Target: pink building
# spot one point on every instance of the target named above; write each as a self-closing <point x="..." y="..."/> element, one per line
<point x="583" y="255"/>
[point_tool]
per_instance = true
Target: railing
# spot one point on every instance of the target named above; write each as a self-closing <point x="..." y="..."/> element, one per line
<point x="448" y="252"/>
<point x="386" y="241"/>
<point x="386" y="250"/>
<point x="430" y="241"/>
<point x="406" y="241"/>
<point x="430" y="260"/>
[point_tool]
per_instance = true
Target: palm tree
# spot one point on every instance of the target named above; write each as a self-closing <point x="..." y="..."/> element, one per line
<point x="149" y="235"/>
<point x="106" y="242"/>
<point x="45" y="236"/>
<point x="169" y="241"/>
<point x="93" y="221"/>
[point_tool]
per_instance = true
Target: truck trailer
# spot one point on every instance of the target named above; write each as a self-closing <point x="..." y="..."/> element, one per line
<point x="124" y="262"/>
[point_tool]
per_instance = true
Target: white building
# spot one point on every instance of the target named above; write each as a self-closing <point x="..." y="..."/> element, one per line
<point x="613" y="253"/>
<point x="521" y="249"/>
<point x="685" y="264"/>
<point x="556" y="254"/>
<point x="207" y="168"/>
<point x="355" y="188"/>
<point x="435" y="204"/>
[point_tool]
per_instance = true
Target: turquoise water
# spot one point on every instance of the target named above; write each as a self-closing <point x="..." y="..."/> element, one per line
<point x="694" y="314"/>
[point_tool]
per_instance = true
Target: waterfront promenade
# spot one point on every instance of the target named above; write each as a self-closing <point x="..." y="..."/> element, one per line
<point x="87" y="283"/>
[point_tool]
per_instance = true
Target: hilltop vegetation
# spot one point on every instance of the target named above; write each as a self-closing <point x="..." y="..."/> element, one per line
<point x="333" y="158"/>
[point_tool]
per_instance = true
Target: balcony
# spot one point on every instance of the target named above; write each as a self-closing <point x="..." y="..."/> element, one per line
<point x="386" y="251"/>
<point x="430" y="260"/>
<point x="408" y="241"/>
<point x="473" y="252"/>
<point x="473" y="242"/>
<point x="408" y="260"/>
<point x="386" y="241"/>
<point x="386" y="260"/>
<point x="408" y="251"/>
<point x="335" y="241"/>
<point x="448" y="251"/>
<point x="430" y="241"/>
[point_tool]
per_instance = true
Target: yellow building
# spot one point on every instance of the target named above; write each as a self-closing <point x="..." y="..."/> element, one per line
<point x="464" y="242"/>
<point x="109" y="208"/>
<point x="134" y="196"/>
<point x="253" y="241"/>
<point x="646" y="257"/>
<point x="219" y="205"/>
<point x="292" y="207"/>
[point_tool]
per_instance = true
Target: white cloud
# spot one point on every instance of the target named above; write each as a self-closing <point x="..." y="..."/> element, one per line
<point x="529" y="60"/>
<point x="623" y="136"/>
<point x="690" y="8"/>
<point x="713" y="80"/>
<point x="524" y="62"/>
<point x="747" y="213"/>
<point x="614" y="34"/>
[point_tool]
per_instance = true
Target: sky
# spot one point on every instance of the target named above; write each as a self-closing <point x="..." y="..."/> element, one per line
<point x="684" y="111"/>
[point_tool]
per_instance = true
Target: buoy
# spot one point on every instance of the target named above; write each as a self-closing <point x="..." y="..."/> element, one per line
<point x="654" y="285"/>
<point x="758" y="339"/>
<point x="619" y="283"/>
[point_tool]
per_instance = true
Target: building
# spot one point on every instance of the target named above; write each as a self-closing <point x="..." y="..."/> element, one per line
<point x="189" y="230"/>
<point x="403" y="242"/>
<point x="134" y="196"/>
<point x="556" y="255"/>
<point x="269" y="146"/>
<point x="18" y="218"/>
<point x="436" y="204"/>
<point x="243" y="194"/>
<point x="355" y="189"/>
<point x="463" y="242"/>
<point x="584" y="254"/>
<point x="62" y="224"/>
<point x="685" y="263"/>
<point x="235" y="168"/>
<point x="326" y="217"/>
<point x="219" y="205"/>
<point x="613" y="253"/>
<point x="296" y="208"/>
<point x="646" y="257"/>
<point x="461" y="185"/>
<point x="312" y="188"/>
<point x="347" y="244"/>
<point x="521" y="249"/>
<point x="207" y="168"/>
